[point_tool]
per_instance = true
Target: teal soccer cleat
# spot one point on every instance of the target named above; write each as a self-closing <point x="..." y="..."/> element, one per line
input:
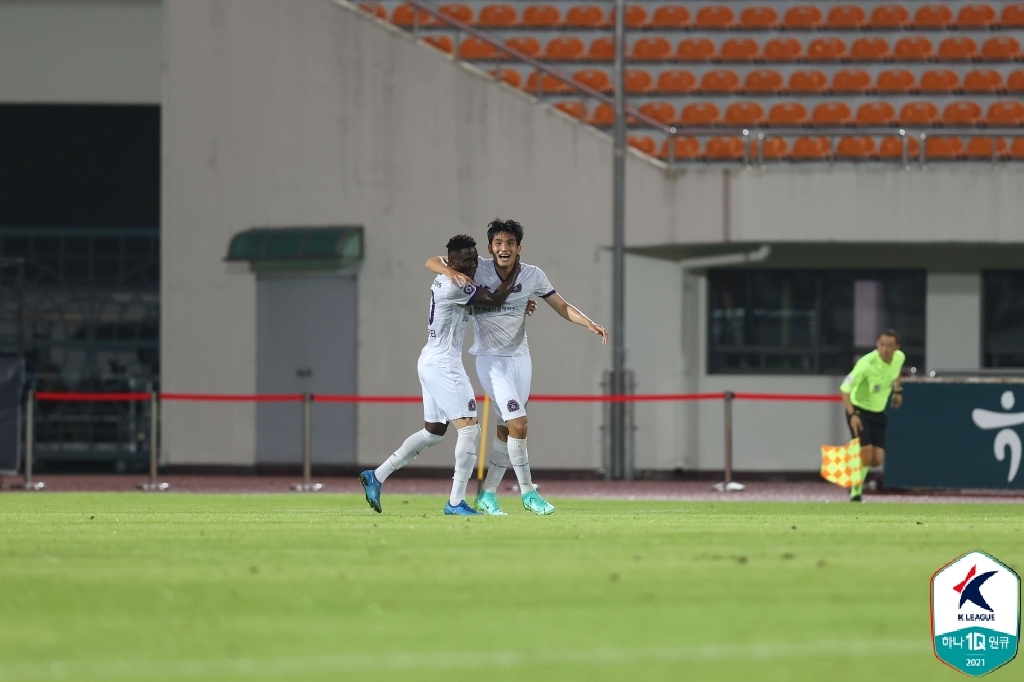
<point x="488" y="504"/>
<point x="371" y="487"/>
<point x="461" y="509"/>
<point x="532" y="501"/>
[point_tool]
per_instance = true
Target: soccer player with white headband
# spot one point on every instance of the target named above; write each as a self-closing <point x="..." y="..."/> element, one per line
<point x="448" y="395"/>
<point x="503" y="361"/>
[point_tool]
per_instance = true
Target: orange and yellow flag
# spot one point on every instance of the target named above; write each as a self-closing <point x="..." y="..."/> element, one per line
<point x="840" y="464"/>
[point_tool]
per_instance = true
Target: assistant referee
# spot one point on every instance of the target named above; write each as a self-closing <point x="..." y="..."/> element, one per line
<point x="865" y="392"/>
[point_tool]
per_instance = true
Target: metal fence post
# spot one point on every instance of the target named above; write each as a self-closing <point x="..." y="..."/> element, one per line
<point x="30" y="437"/>
<point x="154" y="444"/>
<point x="307" y="485"/>
<point x="728" y="485"/>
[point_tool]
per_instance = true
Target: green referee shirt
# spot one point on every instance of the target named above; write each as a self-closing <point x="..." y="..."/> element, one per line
<point x="870" y="383"/>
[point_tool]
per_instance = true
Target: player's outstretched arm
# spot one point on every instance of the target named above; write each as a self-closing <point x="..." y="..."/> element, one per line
<point x="438" y="265"/>
<point x="498" y="296"/>
<point x="573" y="314"/>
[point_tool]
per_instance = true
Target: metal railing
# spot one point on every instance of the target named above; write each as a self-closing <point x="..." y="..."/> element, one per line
<point x="753" y="137"/>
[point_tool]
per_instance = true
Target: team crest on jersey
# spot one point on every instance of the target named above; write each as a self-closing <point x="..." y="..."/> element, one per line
<point x="472" y="405"/>
<point x="517" y="288"/>
<point x="513" y="406"/>
<point x="468" y="289"/>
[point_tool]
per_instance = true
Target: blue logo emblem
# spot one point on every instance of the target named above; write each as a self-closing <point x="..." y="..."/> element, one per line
<point x="472" y="405"/>
<point x="513" y="406"/>
<point x="517" y="288"/>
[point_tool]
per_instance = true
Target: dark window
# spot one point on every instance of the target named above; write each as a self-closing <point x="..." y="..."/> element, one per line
<point x="810" y="321"/>
<point x="1004" y="318"/>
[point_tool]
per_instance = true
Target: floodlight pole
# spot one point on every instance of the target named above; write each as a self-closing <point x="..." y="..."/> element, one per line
<point x="617" y="411"/>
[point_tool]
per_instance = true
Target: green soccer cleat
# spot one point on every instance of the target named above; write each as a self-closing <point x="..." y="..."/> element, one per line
<point x="488" y="504"/>
<point x="532" y="501"/>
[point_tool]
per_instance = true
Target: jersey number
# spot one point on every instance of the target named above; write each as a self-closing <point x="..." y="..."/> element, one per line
<point x="430" y="318"/>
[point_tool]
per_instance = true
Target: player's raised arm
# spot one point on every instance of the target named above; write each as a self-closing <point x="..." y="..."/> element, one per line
<point x="438" y="265"/>
<point x="497" y="297"/>
<point x="573" y="314"/>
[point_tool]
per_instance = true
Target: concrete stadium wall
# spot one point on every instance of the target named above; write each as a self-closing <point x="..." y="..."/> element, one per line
<point x="302" y="112"/>
<point x="81" y="51"/>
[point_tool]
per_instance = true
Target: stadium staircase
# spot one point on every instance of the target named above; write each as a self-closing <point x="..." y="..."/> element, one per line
<point x="767" y="82"/>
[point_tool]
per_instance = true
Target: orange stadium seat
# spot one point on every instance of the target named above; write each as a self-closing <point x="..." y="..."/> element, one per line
<point x="913" y="48"/>
<point x="497" y="16"/>
<point x="963" y="113"/>
<point x="807" y="81"/>
<point x="376" y="8"/>
<point x="983" y="80"/>
<point x="638" y="81"/>
<point x="510" y="76"/>
<point x="644" y="143"/>
<point x="892" y="147"/>
<point x="720" y="81"/>
<point x="889" y="17"/>
<point x="1012" y="16"/>
<point x="783" y="50"/>
<point x="1006" y="113"/>
<point x="652" y="49"/>
<point x="763" y="81"/>
<point x="714" y="16"/>
<point x="976" y="16"/>
<point x="404" y="16"/>
<point x="549" y="84"/>
<point x="933" y="16"/>
<point x="875" y="114"/>
<point x="603" y="115"/>
<point x="958" y="47"/>
<point x="528" y="45"/>
<point x="787" y="114"/>
<point x="594" y="78"/>
<point x="695" y="50"/>
<point x="944" y="148"/>
<point x="856" y="148"/>
<point x="1001" y="49"/>
<point x="699" y="114"/>
<point x="659" y="111"/>
<point x="982" y="148"/>
<point x="565" y="48"/>
<point x="831" y="114"/>
<point x="919" y="113"/>
<point x="675" y="81"/>
<point x="939" y="81"/>
<point x="441" y="42"/>
<point x="846" y="17"/>
<point x="1017" y="148"/>
<point x="461" y="13"/>
<point x="739" y="50"/>
<point x="802" y="17"/>
<point x="602" y="49"/>
<point x="1015" y="81"/>
<point x="542" y="16"/>
<point x="585" y="16"/>
<point x="760" y="18"/>
<point x="744" y="114"/>
<point x="826" y="49"/>
<point x="686" y="148"/>
<point x="851" y="80"/>
<point x="774" y="148"/>
<point x="895" y="80"/>
<point x="671" y="16"/>
<point x="474" y="48"/>
<point x="812" y="149"/>
<point x="724" y="148"/>
<point x="870" y="49"/>
<point x="574" y="108"/>
<point x="636" y="17"/>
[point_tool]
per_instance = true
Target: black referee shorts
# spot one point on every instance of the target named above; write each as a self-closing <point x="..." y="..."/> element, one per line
<point x="874" y="424"/>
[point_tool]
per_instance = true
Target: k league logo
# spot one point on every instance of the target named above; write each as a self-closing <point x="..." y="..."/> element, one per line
<point x="1006" y="437"/>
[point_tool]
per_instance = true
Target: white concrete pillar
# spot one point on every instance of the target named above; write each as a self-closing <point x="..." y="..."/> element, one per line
<point x="953" y="320"/>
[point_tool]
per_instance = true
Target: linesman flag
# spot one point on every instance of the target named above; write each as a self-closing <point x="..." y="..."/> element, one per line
<point x="840" y="464"/>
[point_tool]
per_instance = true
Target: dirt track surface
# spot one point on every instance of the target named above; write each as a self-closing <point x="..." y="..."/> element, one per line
<point x="408" y="485"/>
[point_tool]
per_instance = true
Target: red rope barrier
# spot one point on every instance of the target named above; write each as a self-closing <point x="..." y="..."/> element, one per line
<point x="82" y="397"/>
<point x="808" y="397"/>
<point x="637" y="397"/>
<point x="321" y="398"/>
<point x="235" y="397"/>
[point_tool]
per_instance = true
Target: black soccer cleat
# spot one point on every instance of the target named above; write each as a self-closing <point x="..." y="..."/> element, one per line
<point x="856" y="498"/>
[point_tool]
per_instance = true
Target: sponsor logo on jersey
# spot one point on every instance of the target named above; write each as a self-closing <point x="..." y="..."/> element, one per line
<point x="513" y="406"/>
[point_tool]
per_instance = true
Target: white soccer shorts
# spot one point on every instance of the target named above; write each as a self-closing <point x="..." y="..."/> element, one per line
<point x="447" y="393"/>
<point x="506" y="381"/>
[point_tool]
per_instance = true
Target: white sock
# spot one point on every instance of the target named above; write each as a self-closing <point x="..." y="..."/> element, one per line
<point x="521" y="464"/>
<point x="465" y="458"/>
<point x="413" y="445"/>
<point x="497" y="464"/>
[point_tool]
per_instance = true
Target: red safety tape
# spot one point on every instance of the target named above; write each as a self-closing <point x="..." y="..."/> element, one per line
<point x="99" y="397"/>
<point x="235" y="397"/>
<point x="321" y="398"/>
<point x="637" y="397"/>
<point x="810" y="397"/>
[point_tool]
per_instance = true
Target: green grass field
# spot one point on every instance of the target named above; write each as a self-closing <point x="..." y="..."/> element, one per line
<point x="318" y="587"/>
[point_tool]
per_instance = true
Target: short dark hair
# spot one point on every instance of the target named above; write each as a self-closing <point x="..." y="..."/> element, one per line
<point x="497" y="226"/>
<point x="891" y="332"/>
<point x="460" y="242"/>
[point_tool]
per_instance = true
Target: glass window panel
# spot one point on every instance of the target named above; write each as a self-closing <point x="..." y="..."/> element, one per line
<point x="1004" y="318"/>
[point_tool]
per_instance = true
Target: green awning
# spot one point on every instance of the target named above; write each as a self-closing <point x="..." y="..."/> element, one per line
<point x="298" y="248"/>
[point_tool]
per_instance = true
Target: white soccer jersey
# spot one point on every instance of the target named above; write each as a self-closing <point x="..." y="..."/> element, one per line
<point x="502" y="331"/>
<point x="446" y="323"/>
